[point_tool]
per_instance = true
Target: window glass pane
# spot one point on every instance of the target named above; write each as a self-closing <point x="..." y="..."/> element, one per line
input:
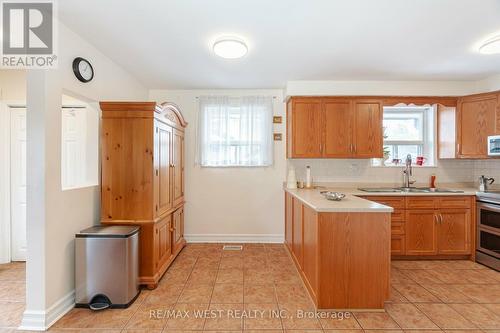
<point x="397" y="153"/>
<point x="403" y="126"/>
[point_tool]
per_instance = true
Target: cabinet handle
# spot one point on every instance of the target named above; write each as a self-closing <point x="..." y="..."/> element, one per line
<point x="440" y="218"/>
<point x="436" y="218"/>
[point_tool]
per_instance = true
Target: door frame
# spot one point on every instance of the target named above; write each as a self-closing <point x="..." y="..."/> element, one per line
<point x="5" y="190"/>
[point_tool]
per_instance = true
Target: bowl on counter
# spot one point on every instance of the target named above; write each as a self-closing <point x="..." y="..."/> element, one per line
<point x="334" y="196"/>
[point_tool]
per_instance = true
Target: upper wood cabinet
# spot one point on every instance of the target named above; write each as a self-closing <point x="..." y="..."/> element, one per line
<point x="476" y="121"/>
<point x="368" y="132"/>
<point x="305" y="122"/>
<point x="334" y="127"/>
<point x="463" y="132"/>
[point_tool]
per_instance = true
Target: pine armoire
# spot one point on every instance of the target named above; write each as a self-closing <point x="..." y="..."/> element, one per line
<point x="142" y="162"/>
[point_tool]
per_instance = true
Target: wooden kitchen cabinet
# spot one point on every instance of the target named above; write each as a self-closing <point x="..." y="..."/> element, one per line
<point x="142" y="163"/>
<point x="338" y="122"/>
<point x="368" y="132"/>
<point x="334" y="127"/>
<point x="288" y="220"/>
<point x="297" y="232"/>
<point x="454" y="230"/>
<point x="430" y="225"/>
<point x="421" y="232"/>
<point x="304" y="122"/>
<point x="463" y="131"/>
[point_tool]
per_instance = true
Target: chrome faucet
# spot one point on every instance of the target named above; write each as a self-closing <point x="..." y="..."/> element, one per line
<point x="407" y="172"/>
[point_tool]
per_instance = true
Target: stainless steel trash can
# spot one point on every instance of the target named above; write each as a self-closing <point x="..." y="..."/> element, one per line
<point x="107" y="267"/>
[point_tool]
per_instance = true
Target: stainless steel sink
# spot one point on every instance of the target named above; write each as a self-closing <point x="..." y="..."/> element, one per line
<point x="379" y="189"/>
<point x="408" y="189"/>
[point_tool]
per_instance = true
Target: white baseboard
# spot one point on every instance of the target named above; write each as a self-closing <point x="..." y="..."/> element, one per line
<point x="42" y="320"/>
<point x="234" y="238"/>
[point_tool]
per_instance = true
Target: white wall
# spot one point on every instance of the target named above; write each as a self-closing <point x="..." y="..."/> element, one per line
<point x="380" y="88"/>
<point x="230" y="204"/>
<point x="55" y="216"/>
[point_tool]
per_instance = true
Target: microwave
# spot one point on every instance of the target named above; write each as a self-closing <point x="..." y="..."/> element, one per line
<point x="494" y="145"/>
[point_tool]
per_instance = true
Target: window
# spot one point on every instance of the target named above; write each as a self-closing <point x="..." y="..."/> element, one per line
<point x="408" y="130"/>
<point x="235" y="131"/>
<point x="79" y="145"/>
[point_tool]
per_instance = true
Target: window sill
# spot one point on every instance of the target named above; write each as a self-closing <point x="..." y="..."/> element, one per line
<point x="402" y="166"/>
<point x="79" y="187"/>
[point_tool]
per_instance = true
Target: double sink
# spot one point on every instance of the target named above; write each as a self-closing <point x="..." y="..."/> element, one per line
<point x="407" y="190"/>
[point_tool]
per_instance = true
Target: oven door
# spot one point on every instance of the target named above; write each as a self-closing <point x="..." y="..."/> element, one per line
<point x="488" y="229"/>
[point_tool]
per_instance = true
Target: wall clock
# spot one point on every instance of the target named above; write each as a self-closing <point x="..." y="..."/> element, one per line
<point x="83" y="69"/>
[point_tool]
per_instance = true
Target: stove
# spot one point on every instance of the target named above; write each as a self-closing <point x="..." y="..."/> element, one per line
<point x="488" y="229"/>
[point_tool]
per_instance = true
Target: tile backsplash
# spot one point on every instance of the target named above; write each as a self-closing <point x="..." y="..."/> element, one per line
<point x="361" y="171"/>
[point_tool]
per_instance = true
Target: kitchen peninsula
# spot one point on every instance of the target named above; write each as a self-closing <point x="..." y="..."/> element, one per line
<point x="342" y="249"/>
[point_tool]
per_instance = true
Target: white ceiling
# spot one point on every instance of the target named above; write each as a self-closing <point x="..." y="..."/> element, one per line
<point x="167" y="44"/>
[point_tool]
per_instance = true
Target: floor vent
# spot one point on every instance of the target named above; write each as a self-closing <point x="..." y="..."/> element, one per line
<point x="232" y="248"/>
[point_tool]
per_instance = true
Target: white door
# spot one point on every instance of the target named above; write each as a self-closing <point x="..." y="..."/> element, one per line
<point x="73" y="146"/>
<point x="18" y="183"/>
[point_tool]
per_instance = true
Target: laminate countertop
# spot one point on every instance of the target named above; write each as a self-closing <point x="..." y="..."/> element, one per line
<point x="352" y="201"/>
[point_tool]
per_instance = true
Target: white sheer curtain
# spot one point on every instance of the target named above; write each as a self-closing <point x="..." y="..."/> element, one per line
<point x="235" y="131"/>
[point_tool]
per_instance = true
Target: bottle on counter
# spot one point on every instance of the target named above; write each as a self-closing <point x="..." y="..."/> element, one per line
<point x="308" y="177"/>
<point x="433" y="181"/>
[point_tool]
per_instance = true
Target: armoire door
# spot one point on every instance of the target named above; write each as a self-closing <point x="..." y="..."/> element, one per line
<point x="178" y="167"/>
<point x="178" y="229"/>
<point x="162" y="241"/>
<point x="163" y="166"/>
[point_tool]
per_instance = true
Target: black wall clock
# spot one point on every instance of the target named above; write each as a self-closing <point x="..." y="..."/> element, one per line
<point x="83" y="69"/>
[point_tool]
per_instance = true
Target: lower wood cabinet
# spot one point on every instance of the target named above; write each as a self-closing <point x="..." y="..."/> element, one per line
<point x="430" y="225"/>
<point x="421" y="232"/>
<point x="288" y="220"/>
<point x="297" y="230"/>
<point x="454" y="231"/>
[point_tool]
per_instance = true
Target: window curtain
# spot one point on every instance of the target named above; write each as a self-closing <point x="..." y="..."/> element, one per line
<point x="235" y="131"/>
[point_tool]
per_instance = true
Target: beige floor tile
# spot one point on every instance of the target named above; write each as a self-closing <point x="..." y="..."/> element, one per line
<point x="227" y="293"/>
<point x="196" y="293"/>
<point x="408" y="264"/>
<point x="258" y="293"/>
<point x="10" y="273"/>
<point x="85" y="318"/>
<point x="384" y="331"/>
<point x="299" y="318"/>
<point x="233" y="275"/>
<point x="407" y="316"/>
<point x="415" y="293"/>
<point x="202" y="276"/>
<point x="224" y="317"/>
<point x="447" y="293"/>
<point x="210" y="263"/>
<point x="399" y="278"/>
<point x="447" y="275"/>
<point x="11" y="313"/>
<point x="477" y="276"/>
<point x="396" y="297"/>
<point x="229" y="263"/>
<point x="187" y="317"/>
<point x="338" y="320"/>
<point x="13" y="291"/>
<point x="375" y="320"/>
<point x="266" y="316"/>
<point x="445" y="316"/>
<point x="480" y="293"/>
<point x="152" y="317"/>
<point x="420" y="276"/>
<point x="479" y="315"/>
<point x="257" y="276"/>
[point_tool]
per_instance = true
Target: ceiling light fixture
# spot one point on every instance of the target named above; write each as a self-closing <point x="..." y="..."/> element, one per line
<point x="491" y="46"/>
<point x="230" y="47"/>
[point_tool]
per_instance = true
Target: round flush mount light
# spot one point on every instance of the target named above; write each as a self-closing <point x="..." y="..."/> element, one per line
<point x="491" y="46"/>
<point x="230" y="47"/>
